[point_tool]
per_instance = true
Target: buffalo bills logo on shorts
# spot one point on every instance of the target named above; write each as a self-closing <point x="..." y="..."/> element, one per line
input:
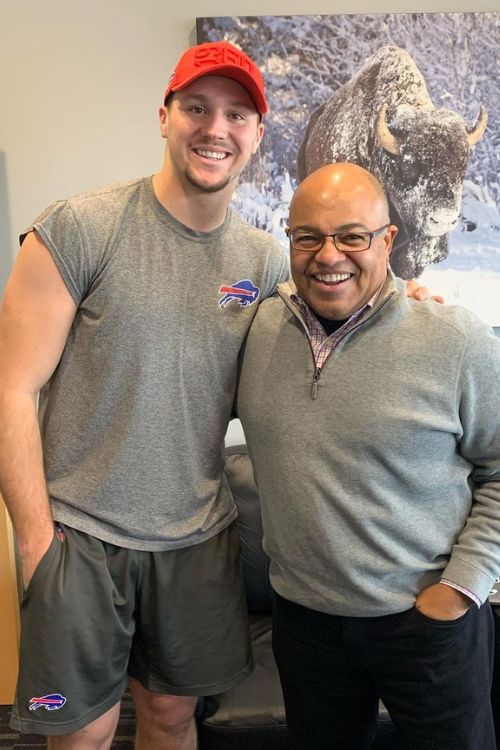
<point x="244" y="292"/>
<point x="51" y="702"/>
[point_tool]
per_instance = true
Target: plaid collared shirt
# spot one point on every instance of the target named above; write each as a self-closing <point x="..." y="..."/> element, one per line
<point x="322" y="344"/>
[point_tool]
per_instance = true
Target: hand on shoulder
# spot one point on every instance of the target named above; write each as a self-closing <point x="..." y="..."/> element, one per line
<point x="421" y="293"/>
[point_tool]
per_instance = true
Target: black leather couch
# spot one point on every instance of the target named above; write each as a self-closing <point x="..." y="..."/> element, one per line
<point x="251" y="716"/>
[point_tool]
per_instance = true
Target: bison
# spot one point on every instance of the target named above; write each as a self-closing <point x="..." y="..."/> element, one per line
<point x="384" y="120"/>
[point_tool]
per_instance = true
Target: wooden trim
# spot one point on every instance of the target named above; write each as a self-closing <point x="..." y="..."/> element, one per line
<point x="9" y="610"/>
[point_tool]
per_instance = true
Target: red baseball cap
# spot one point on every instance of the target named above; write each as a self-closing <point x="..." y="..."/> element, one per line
<point x="219" y="59"/>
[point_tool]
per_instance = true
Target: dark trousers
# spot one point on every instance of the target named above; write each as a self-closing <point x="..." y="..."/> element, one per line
<point x="495" y="692"/>
<point x="433" y="677"/>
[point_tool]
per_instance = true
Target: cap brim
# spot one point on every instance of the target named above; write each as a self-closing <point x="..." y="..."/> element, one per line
<point x="228" y="71"/>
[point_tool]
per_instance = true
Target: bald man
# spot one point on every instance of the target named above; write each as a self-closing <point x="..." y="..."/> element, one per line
<point x="372" y="423"/>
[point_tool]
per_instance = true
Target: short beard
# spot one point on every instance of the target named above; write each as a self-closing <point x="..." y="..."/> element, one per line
<point x="202" y="186"/>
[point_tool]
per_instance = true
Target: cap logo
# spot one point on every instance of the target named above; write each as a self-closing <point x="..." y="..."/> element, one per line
<point x="219" y="58"/>
<point x="222" y="56"/>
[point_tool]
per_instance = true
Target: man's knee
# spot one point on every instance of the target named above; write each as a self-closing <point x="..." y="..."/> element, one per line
<point x="168" y="711"/>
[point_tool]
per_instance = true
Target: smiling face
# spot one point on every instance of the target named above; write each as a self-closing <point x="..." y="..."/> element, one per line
<point x="340" y="198"/>
<point x="212" y="129"/>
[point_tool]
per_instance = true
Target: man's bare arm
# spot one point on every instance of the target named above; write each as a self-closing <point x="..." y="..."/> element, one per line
<point x="35" y="319"/>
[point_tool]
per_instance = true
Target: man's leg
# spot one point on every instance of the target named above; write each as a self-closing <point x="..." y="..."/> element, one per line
<point x="76" y="634"/>
<point x="329" y="702"/>
<point x="435" y="678"/>
<point x="191" y="638"/>
<point x="164" y="722"/>
<point x="495" y="690"/>
<point x="95" y="736"/>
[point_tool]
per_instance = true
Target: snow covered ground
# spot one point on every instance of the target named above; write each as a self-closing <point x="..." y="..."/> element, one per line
<point x="470" y="276"/>
<point x="477" y="290"/>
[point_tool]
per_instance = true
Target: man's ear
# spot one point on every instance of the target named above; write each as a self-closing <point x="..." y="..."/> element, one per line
<point x="390" y="236"/>
<point x="258" y="137"/>
<point x="163" y="114"/>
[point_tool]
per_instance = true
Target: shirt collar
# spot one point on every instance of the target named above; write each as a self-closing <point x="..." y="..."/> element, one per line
<point x="304" y="307"/>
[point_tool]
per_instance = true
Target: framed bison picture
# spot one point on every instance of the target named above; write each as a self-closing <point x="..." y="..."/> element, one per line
<point x="411" y="97"/>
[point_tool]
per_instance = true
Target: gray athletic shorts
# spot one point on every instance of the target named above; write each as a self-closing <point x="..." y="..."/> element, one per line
<point x="95" y="614"/>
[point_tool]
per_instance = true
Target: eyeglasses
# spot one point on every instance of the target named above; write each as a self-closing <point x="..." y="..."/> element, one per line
<point x="347" y="242"/>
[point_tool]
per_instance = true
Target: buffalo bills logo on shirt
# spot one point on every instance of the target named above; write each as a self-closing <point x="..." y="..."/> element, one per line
<point x="244" y="292"/>
<point x="51" y="702"/>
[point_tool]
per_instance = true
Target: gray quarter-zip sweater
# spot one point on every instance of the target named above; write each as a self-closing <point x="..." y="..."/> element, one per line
<point x="389" y="479"/>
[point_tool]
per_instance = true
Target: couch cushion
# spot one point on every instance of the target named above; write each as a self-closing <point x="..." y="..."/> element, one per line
<point x="252" y="710"/>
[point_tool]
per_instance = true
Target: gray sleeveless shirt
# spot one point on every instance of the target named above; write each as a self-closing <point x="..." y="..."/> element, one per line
<point x="134" y="416"/>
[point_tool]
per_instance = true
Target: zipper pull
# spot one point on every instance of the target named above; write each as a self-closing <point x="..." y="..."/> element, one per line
<point x="314" y="384"/>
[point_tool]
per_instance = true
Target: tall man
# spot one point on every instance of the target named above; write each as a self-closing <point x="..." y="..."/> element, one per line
<point x="126" y="310"/>
<point x="372" y="422"/>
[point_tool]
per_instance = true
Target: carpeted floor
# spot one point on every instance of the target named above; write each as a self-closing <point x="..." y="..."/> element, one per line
<point x="10" y="740"/>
